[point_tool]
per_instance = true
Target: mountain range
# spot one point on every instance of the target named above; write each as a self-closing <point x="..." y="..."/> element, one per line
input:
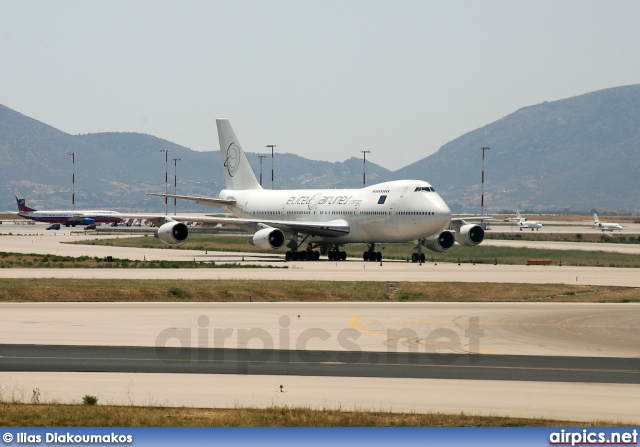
<point x="578" y="154"/>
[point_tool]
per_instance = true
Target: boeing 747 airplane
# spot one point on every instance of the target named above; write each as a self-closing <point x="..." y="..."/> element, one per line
<point x="321" y="221"/>
<point x="65" y="217"/>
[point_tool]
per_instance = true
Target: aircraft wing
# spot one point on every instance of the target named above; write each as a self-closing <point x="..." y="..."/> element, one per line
<point x="457" y="222"/>
<point x="332" y="228"/>
<point x="209" y="201"/>
<point x="77" y="218"/>
<point x="156" y="219"/>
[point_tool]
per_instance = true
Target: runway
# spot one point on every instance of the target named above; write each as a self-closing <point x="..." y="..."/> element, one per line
<point x="554" y="360"/>
<point x="534" y="329"/>
<point x="41" y="358"/>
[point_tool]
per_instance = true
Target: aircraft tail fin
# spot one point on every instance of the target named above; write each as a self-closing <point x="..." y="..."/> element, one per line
<point x="237" y="170"/>
<point x="518" y="216"/>
<point x="22" y="204"/>
<point x="595" y="219"/>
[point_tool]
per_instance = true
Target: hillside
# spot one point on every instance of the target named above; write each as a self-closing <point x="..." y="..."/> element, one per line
<point x="115" y="170"/>
<point x="581" y="152"/>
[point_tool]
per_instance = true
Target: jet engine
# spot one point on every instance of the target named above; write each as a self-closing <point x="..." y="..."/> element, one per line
<point x="470" y="235"/>
<point x="172" y="233"/>
<point x="268" y="239"/>
<point x="443" y="242"/>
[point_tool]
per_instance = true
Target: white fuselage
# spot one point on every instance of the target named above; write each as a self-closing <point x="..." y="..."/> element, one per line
<point x="608" y="226"/>
<point x="101" y="216"/>
<point x="523" y="223"/>
<point x="396" y="211"/>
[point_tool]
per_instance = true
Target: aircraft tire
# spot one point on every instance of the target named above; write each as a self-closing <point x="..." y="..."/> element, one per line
<point x="414" y="257"/>
<point x="343" y="255"/>
<point x="379" y="257"/>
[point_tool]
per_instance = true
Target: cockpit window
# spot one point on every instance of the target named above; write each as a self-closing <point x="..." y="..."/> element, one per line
<point x="425" y="189"/>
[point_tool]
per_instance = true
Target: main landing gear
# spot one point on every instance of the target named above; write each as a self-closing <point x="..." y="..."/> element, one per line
<point x="302" y="255"/>
<point x="418" y="256"/>
<point x="371" y="255"/>
<point x="336" y="255"/>
<point x="332" y="251"/>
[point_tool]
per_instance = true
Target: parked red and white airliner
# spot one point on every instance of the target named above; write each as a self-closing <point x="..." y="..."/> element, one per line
<point x="66" y="217"/>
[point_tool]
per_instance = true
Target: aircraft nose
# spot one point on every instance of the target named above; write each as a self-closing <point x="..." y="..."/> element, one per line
<point x="441" y="209"/>
<point x="440" y="206"/>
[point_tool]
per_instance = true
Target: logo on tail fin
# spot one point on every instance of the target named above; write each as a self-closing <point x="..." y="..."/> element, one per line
<point x="232" y="162"/>
<point x="22" y="203"/>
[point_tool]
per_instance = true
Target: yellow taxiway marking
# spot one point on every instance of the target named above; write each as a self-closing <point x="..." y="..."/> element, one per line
<point x="355" y="323"/>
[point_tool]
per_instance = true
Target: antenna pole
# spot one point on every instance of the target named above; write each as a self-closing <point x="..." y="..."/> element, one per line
<point x="73" y="179"/>
<point x="166" y="177"/>
<point x="261" y="157"/>
<point x="364" y="168"/>
<point x="271" y="146"/>
<point x="482" y="197"/>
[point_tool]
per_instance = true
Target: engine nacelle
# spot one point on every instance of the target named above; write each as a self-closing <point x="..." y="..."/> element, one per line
<point x="172" y="233"/>
<point x="443" y="242"/>
<point x="470" y="235"/>
<point x="268" y="239"/>
<point x="88" y="221"/>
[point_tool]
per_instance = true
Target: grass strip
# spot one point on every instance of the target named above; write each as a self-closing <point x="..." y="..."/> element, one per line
<point x="57" y="415"/>
<point x="125" y="290"/>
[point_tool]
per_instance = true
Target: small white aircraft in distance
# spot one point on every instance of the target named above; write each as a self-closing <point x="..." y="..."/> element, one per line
<point x="605" y="226"/>
<point x="522" y="222"/>
<point x="65" y="217"/>
<point x="314" y="222"/>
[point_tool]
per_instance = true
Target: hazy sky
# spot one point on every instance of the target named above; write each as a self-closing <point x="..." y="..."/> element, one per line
<point x="323" y="79"/>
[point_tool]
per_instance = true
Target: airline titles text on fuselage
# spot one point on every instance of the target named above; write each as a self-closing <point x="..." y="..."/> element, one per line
<point x="318" y="199"/>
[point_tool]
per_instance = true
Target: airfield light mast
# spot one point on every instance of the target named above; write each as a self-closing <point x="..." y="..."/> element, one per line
<point x="261" y="157"/>
<point x="73" y="179"/>
<point x="166" y="177"/>
<point x="364" y="167"/>
<point x="175" y="182"/>
<point x="271" y="146"/>
<point x="482" y="197"/>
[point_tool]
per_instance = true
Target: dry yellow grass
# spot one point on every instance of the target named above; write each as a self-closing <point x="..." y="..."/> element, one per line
<point x="12" y="415"/>
<point x="76" y="290"/>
